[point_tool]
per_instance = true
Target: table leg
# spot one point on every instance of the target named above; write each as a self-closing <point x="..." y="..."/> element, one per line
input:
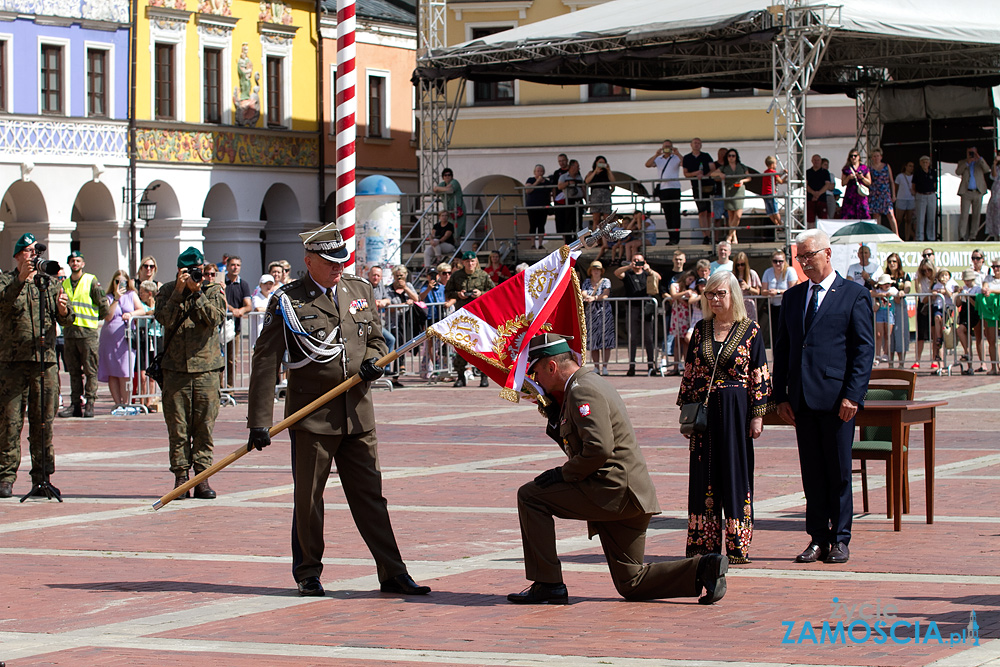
<point x="929" y="466"/>
<point x="897" y="472"/>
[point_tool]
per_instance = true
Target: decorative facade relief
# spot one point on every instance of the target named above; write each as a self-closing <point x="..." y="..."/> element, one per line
<point x="93" y="10"/>
<point x="216" y="7"/>
<point x="229" y="148"/>
<point x="246" y="96"/>
<point x="171" y="4"/>
<point x="274" y="11"/>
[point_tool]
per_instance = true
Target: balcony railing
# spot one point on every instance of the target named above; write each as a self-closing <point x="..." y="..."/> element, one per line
<point x="64" y="138"/>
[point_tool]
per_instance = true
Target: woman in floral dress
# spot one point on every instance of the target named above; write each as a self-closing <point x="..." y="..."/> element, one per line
<point x="600" y="317"/>
<point x="721" y="465"/>
<point x="881" y="198"/>
<point x="855" y="206"/>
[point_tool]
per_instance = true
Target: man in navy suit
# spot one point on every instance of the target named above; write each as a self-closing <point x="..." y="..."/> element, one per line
<point x="823" y="357"/>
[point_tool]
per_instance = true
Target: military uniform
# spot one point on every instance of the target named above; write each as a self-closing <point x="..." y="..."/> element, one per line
<point x="191" y="365"/>
<point x="604" y="482"/>
<point x="90" y="305"/>
<point x="341" y="431"/>
<point x="461" y="280"/>
<point x="20" y="330"/>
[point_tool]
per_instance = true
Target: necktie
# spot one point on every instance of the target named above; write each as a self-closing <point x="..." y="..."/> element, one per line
<point x="813" y="306"/>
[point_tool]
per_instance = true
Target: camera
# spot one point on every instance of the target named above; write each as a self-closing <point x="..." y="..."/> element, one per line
<point x="700" y="283"/>
<point x="47" y="266"/>
<point x="196" y="274"/>
<point x="640" y="263"/>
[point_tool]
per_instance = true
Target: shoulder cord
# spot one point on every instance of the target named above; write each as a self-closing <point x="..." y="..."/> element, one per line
<point x="320" y="352"/>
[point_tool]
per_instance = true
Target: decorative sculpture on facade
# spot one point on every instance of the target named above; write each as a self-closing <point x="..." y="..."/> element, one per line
<point x="246" y="96"/>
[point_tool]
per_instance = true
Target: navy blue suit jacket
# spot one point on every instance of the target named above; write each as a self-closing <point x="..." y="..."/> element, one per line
<point x="834" y="359"/>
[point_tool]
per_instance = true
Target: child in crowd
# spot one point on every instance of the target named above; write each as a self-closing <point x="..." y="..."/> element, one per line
<point x="968" y="316"/>
<point x="885" y="319"/>
<point x="771" y="179"/>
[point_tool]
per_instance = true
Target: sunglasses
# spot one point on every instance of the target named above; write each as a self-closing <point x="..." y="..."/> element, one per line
<point x="149" y="266"/>
<point x="928" y="254"/>
<point x="741" y="265"/>
<point x="976" y="257"/>
<point x="777" y="261"/>
<point x="210" y="275"/>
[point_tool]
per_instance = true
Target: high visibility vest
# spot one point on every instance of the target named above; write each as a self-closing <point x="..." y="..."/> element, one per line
<point x="79" y="299"/>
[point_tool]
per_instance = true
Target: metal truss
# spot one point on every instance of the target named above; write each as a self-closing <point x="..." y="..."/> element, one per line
<point x="869" y="123"/>
<point x="435" y="117"/>
<point x="797" y="53"/>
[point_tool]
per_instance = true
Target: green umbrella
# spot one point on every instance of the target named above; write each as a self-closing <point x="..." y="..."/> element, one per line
<point x="864" y="232"/>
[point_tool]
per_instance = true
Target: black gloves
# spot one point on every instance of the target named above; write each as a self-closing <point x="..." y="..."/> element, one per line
<point x="549" y="477"/>
<point x="369" y="371"/>
<point x="260" y="438"/>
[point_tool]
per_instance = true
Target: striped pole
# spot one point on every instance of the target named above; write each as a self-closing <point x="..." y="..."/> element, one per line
<point x="346" y="125"/>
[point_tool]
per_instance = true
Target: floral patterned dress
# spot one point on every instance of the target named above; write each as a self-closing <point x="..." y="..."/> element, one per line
<point x="880" y="199"/>
<point x="855" y="207"/>
<point x="721" y="465"/>
<point x="600" y="317"/>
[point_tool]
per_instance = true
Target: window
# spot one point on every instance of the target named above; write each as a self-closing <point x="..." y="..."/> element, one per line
<point x="492" y="92"/>
<point x="52" y="79"/>
<point x="97" y="82"/>
<point x="213" y="85"/>
<point x="163" y="82"/>
<point x="377" y="106"/>
<point x="3" y="75"/>
<point x="606" y="91"/>
<point x="275" y="81"/>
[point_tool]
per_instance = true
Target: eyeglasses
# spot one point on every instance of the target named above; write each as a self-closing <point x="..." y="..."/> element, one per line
<point x="149" y="266"/>
<point x="928" y="254"/>
<point x="210" y="275"/>
<point x="854" y="155"/>
<point x="741" y="265"/>
<point x="777" y="261"/>
<point x="977" y="257"/>
<point x="444" y="273"/>
<point x="713" y="296"/>
<point x="808" y="255"/>
<point x="731" y="155"/>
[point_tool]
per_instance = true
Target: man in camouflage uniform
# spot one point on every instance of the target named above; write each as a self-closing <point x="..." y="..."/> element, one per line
<point x="192" y="360"/>
<point x="466" y="284"/>
<point x="29" y="346"/>
<point x="328" y="323"/>
<point x="90" y="305"/>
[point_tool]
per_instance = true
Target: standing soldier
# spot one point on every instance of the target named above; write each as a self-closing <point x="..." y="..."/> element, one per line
<point x="11" y="415"/>
<point x="329" y="326"/>
<point x="28" y="352"/>
<point x="191" y="310"/>
<point x="466" y="284"/>
<point x="90" y="306"/>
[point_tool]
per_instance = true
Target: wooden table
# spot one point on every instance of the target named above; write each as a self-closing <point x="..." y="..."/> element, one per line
<point x="898" y="415"/>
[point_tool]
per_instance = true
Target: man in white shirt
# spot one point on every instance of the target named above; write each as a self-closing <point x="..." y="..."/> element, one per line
<point x="723" y="263"/>
<point x="864" y="272"/>
<point x="667" y="161"/>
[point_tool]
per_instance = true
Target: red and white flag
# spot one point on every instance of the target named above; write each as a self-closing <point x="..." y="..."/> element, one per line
<point x="491" y="332"/>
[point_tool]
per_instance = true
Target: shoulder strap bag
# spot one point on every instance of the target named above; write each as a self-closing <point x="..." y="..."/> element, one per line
<point x="154" y="370"/>
<point x="694" y="416"/>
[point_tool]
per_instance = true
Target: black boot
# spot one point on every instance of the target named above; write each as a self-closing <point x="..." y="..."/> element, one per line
<point x="181" y="478"/>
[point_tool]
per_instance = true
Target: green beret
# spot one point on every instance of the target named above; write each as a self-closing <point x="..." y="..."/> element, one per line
<point x="190" y="258"/>
<point x="75" y="253"/>
<point x="468" y="254"/>
<point x="546" y="345"/>
<point x="23" y="242"/>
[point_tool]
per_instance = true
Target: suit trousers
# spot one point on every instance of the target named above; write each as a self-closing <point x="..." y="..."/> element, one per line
<point x="968" y="219"/>
<point x="356" y="457"/>
<point x="80" y="357"/>
<point x="926" y="216"/>
<point x="824" y="442"/>
<point x="642" y="329"/>
<point x="623" y="538"/>
<point x="190" y="407"/>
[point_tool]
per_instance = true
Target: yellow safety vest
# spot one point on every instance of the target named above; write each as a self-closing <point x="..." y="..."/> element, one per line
<point x="79" y="299"/>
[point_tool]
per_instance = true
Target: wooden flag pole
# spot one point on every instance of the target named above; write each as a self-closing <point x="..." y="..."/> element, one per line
<point x="291" y="419"/>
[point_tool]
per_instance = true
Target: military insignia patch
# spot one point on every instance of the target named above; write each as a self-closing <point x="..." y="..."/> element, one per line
<point x="267" y="319"/>
<point x="585" y="410"/>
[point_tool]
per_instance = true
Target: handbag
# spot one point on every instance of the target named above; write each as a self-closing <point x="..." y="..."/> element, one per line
<point x="862" y="188"/>
<point x="694" y="416"/>
<point x="154" y="370"/>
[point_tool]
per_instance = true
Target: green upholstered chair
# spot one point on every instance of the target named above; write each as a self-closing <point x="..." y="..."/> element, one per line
<point x="875" y="443"/>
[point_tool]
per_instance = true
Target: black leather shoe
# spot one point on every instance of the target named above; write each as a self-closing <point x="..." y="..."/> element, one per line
<point x="839" y="553"/>
<point x="204" y="491"/>
<point x="88" y="410"/>
<point x="460" y="382"/>
<point x="711" y="575"/>
<point x="404" y="585"/>
<point x="71" y="411"/>
<point x="484" y="381"/>
<point x="6" y="489"/>
<point x="813" y="553"/>
<point x="181" y="479"/>
<point x="311" y="587"/>
<point x="539" y="593"/>
<point x="630" y="372"/>
<point x="654" y="373"/>
<point x="397" y="384"/>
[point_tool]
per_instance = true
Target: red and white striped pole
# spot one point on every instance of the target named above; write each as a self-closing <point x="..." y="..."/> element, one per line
<point x="346" y="125"/>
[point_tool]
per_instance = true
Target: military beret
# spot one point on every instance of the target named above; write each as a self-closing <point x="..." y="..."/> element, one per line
<point x="468" y="254"/>
<point x="546" y="345"/>
<point x="190" y="258"/>
<point x="75" y="253"/>
<point x="326" y="242"/>
<point x="23" y="242"/>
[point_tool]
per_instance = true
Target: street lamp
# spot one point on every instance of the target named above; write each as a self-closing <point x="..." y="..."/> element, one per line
<point x="147" y="208"/>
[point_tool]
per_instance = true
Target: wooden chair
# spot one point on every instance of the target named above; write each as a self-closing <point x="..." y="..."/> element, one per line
<point x="875" y="443"/>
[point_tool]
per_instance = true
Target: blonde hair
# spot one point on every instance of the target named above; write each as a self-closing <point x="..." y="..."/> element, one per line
<point x="120" y="273"/>
<point x="770" y="161"/>
<point x="727" y="280"/>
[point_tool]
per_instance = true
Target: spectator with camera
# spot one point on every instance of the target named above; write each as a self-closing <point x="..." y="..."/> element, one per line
<point x="86" y="298"/>
<point x="29" y="357"/>
<point x="115" y="357"/>
<point x="191" y="310"/>
<point x="641" y="282"/>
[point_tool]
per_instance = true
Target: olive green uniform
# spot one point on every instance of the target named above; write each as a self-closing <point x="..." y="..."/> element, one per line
<point x="21" y="329"/>
<point x="342" y="430"/>
<point x="605" y="483"/>
<point x="459" y="281"/>
<point x="191" y="364"/>
<point x="80" y="350"/>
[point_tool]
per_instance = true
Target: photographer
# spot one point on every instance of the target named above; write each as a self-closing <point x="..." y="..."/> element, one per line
<point x="640" y="282"/>
<point x="191" y="310"/>
<point x="28" y="352"/>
